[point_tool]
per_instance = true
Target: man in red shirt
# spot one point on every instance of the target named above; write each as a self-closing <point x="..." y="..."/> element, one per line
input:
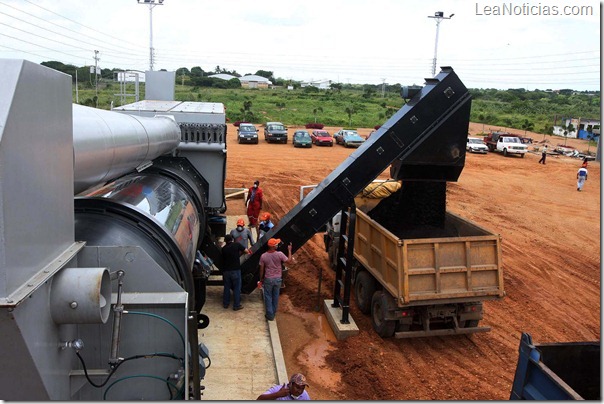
<point x="271" y="275"/>
<point x="254" y="205"/>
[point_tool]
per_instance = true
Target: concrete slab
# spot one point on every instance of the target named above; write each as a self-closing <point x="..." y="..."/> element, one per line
<point x="334" y="317"/>
<point x="244" y="349"/>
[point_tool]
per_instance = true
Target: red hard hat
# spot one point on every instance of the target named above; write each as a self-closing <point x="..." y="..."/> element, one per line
<point x="240" y="222"/>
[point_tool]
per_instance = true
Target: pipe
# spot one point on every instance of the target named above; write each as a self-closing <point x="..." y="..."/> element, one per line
<point x="107" y="145"/>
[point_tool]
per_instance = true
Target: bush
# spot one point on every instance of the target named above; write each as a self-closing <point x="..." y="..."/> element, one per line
<point x="313" y="125"/>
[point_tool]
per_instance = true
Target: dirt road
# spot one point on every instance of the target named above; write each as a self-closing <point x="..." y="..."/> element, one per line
<point x="551" y="259"/>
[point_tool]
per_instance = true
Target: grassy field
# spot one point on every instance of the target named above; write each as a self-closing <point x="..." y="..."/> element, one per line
<point x="364" y="106"/>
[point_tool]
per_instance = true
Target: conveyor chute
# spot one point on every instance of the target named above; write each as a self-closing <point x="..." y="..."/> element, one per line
<point x="424" y="141"/>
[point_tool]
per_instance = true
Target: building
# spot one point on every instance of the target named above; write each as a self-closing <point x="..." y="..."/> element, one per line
<point x="320" y="84"/>
<point x="254" y="81"/>
<point x="223" y="76"/>
<point x="583" y="128"/>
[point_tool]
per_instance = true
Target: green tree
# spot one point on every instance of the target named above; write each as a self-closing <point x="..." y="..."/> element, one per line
<point x="349" y="111"/>
<point x="315" y="110"/>
<point x="526" y="125"/>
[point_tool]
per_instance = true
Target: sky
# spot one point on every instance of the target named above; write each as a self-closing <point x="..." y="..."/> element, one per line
<point x="489" y="44"/>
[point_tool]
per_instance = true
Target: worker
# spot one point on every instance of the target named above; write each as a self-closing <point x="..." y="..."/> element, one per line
<point x="543" y="154"/>
<point x="265" y="224"/>
<point x="254" y="205"/>
<point x="231" y="272"/>
<point x="242" y="235"/>
<point x="271" y="275"/>
<point x="581" y="178"/>
<point x="294" y="390"/>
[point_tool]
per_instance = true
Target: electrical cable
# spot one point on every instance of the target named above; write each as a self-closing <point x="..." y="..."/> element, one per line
<point x="142" y="313"/>
<point x="139" y="376"/>
<point x="161" y="354"/>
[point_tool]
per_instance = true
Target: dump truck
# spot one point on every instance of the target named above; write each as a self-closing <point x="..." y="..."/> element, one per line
<point x="557" y="371"/>
<point x="429" y="281"/>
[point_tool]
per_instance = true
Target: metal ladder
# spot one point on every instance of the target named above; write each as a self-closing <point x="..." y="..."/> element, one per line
<point x="344" y="260"/>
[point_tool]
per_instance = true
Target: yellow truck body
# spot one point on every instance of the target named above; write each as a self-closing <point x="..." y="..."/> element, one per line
<point x="432" y="270"/>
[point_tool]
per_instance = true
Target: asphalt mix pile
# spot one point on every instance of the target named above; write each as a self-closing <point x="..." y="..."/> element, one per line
<point x="416" y="210"/>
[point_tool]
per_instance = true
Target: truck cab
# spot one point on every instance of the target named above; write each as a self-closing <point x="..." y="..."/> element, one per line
<point x="275" y="132"/>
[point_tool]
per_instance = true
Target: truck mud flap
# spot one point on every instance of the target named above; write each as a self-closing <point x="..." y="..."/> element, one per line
<point x="447" y="331"/>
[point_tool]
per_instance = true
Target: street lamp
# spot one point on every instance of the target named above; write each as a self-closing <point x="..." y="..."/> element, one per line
<point x="439" y="16"/>
<point x="151" y="4"/>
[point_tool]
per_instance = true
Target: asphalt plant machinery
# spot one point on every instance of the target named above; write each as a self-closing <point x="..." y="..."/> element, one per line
<point x="98" y="292"/>
<point x="423" y="142"/>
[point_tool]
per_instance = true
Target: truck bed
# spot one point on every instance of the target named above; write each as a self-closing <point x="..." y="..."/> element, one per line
<point x="558" y="371"/>
<point x="430" y="269"/>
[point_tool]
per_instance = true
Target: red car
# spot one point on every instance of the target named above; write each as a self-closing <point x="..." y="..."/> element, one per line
<point x="321" y="137"/>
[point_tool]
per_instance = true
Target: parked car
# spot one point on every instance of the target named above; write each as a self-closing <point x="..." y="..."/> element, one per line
<point x="275" y="132"/>
<point x="476" y="145"/>
<point x="302" y="138"/>
<point x="351" y="138"/>
<point x="321" y="138"/>
<point x="247" y="133"/>
<point x="339" y="135"/>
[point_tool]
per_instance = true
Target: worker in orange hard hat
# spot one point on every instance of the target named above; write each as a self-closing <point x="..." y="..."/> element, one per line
<point x="271" y="275"/>
<point x="265" y="223"/>
<point x="242" y="235"/>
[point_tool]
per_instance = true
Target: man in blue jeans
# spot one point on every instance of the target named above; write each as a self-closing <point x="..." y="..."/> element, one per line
<point x="271" y="275"/>
<point x="231" y="272"/>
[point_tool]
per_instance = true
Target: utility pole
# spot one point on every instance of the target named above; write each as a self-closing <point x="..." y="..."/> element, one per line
<point x="438" y="16"/>
<point x="151" y="4"/>
<point x="96" y="77"/>
<point x="77" y="98"/>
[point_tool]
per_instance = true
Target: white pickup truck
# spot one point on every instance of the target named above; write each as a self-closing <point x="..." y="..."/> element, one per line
<point x="505" y="143"/>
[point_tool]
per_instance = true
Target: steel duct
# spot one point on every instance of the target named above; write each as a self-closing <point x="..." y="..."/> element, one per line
<point x="108" y="144"/>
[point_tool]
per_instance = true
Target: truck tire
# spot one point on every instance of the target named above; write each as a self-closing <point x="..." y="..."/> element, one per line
<point x="379" y="306"/>
<point x="364" y="288"/>
<point x="522" y="155"/>
<point x="505" y="152"/>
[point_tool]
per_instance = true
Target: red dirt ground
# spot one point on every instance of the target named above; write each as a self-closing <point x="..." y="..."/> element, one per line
<point x="551" y="258"/>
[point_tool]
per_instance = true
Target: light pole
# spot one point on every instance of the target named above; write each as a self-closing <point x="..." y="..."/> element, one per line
<point x="151" y="4"/>
<point x="439" y="16"/>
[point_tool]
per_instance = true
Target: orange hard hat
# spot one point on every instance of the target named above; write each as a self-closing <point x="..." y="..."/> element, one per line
<point x="240" y="222"/>
<point x="265" y="216"/>
<point x="274" y="242"/>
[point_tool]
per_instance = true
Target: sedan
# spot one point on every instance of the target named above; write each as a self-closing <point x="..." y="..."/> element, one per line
<point x="302" y="139"/>
<point x="352" y="139"/>
<point x="339" y="135"/>
<point x="247" y="133"/>
<point x="321" y="138"/>
<point x="476" y="145"/>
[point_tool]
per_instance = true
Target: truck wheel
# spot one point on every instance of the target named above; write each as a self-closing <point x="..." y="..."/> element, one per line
<point x="522" y="155"/>
<point x="364" y="288"/>
<point x="379" y="306"/>
<point x="505" y="152"/>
